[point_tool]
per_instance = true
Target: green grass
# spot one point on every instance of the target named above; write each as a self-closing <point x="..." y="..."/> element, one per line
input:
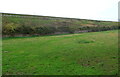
<point x="0" y="56"/>
<point x="94" y="53"/>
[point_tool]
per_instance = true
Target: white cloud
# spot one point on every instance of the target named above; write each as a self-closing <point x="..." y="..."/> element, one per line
<point x="85" y="9"/>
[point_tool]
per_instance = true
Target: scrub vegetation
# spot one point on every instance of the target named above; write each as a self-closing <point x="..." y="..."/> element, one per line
<point x="14" y="25"/>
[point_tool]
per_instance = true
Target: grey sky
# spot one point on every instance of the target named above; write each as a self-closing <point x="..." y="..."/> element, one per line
<point x="83" y="9"/>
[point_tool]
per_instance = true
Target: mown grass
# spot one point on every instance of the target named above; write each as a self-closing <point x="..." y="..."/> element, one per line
<point x="94" y="53"/>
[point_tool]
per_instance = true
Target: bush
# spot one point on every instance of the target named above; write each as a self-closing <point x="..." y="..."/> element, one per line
<point x="24" y="30"/>
<point x="66" y="29"/>
<point x="45" y="30"/>
<point x="9" y="29"/>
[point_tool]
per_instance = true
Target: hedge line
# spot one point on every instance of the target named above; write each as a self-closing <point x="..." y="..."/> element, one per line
<point x="13" y="25"/>
<point x="12" y="29"/>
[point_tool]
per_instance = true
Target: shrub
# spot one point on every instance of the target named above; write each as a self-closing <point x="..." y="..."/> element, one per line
<point x="45" y="30"/>
<point x="66" y="29"/>
<point x="24" y="30"/>
<point x="9" y="29"/>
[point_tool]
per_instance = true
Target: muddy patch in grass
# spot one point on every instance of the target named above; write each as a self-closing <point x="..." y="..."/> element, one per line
<point x="98" y="63"/>
<point x="88" y="62"/>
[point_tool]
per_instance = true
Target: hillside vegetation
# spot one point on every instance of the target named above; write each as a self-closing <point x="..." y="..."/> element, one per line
<point x="15" y="24"/>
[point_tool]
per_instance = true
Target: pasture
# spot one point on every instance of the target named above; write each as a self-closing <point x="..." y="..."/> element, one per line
<point x="93" y="53"/>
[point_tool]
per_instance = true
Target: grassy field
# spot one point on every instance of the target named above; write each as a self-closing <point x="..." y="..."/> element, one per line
<point x="94" y="53"/>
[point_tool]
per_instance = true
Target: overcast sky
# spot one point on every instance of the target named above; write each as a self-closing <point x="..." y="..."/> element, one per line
<point x="83" y="9"/>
